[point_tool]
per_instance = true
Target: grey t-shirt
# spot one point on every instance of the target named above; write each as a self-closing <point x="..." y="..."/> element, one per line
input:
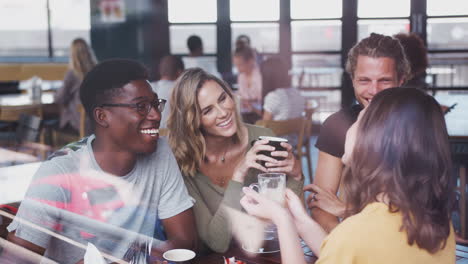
<point x="72" y="197"/>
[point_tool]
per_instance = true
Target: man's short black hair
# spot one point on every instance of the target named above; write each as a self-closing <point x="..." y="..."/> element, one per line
<point x="105" y="81"/>
<point x="194" y="43"/>
<point x="171" y="66"/>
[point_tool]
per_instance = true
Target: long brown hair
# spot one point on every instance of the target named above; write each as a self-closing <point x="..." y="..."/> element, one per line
<point x="186" y="137"/>
<point x="82" y="58"/>
<point x="402" y="152"/>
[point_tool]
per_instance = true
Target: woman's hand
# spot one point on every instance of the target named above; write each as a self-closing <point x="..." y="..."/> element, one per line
<point x="290" y="165"/>
<point x="325" y="200"/>
<point x="260" y="206"/>
<point x="251" y="158"/>
<point x="296" y="207"/>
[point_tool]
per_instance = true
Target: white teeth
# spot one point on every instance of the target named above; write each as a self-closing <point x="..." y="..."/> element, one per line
<point x="150" y="131"/>
<point x="225" y="122"/>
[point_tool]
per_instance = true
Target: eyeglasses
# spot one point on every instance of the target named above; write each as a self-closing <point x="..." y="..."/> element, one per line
<point x="143" y="108"/>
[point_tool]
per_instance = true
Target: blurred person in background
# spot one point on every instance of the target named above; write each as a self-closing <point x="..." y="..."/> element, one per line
<point x="416" y="53"/>
<point x="196" y="58"/>
<point x="244" y="41"/>
<point x="249" y="81"/>
<point x="81" y="61"/>
<point x="281" y="101"/>
<point x="170" y="68"/>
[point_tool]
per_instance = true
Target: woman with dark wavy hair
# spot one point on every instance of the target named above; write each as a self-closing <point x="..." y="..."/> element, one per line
<point x="397" y="188"/>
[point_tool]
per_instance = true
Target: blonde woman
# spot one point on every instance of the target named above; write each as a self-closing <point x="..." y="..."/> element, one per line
<point x="213" y="149"/>
<point x="81" y="61"/>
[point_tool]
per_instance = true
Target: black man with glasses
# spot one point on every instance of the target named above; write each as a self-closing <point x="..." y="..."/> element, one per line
<point x="119" y="189"/>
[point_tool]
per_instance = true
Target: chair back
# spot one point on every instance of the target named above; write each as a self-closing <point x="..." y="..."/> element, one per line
<point x="28" y="129"/>
<point x="82" y="112"/>
<point x="12" y="113"/>
<point x="286" y="127"/>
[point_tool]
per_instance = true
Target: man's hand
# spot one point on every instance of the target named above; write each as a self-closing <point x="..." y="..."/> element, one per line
<point x="181" y="231"/>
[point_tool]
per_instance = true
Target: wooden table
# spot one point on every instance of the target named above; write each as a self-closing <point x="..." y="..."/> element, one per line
<point x="12" y="105"/>
<point x="240" y="254"/>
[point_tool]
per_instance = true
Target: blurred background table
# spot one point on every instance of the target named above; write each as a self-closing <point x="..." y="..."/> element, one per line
<point x="12" y="105"/>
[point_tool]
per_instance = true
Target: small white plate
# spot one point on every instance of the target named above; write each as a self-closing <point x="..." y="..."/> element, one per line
<point x="259" y="251"/>
<point x="179" y="255"/>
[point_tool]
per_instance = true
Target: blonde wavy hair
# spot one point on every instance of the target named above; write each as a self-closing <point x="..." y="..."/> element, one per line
<point x="184" y="123"/>
<point x="82" y="58"/>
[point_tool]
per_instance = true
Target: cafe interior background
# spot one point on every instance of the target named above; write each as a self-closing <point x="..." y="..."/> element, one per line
<point x="311" y="36"/>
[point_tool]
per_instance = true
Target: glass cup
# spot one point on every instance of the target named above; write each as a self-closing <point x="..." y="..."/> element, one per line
<point x="272" y="186"/>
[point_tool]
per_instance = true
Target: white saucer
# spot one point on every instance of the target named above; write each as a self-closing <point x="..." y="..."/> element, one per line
<point x="260" y="250"/>
<point x="179" y="255"/>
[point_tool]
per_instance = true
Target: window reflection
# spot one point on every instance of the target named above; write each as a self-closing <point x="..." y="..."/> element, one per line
<point x="387" y="27"/>
<point x="257" y="10"/>
<point x="180" y="33"/>
<point x="316" y="70"/>
<point x="23" y="27"/>
<point x="307" y="9"/>
<point x="447" y="7"/>
<point x="70" y="19"/>
<point x="447" y="33"/>
<point x="326" y="35"/>
<point x="264" y="37"/>
<point x="448" y="70"/>
<point x="383" y="8"/>
<point x="189" y="11"/>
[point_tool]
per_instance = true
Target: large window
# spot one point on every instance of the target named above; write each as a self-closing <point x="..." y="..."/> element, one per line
<point x="261" y="27"/>
<point x="24" y="26"/>
<point x="316" y="47"/>
<point x="264" y="37"/>
<point x="184" y="22"/>
<point x="383" y="8"/>
<point x="383" y="17"/>
<point x="447" y="40"/>
<point x="258" y="10"/>
<point x="316" y="43"/>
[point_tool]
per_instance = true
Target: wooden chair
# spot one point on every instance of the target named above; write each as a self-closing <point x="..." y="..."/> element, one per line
<point x="300" y="126"/>
<point x="82" y="112"/>
<point x="459" y="149"/>
<point x="12" y="113"/>
<point x="60" y="138"/>
<point x="26" y="137"/>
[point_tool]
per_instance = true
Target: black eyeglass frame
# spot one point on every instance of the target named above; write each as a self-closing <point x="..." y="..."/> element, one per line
<point x="157" y="104"/>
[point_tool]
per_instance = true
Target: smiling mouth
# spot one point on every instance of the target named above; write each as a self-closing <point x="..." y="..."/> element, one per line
<point x="225" y="123"/>
<point x="150" y="131"/>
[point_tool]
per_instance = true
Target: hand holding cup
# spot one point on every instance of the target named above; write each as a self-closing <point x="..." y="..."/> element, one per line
<point x="285" y="161"/>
